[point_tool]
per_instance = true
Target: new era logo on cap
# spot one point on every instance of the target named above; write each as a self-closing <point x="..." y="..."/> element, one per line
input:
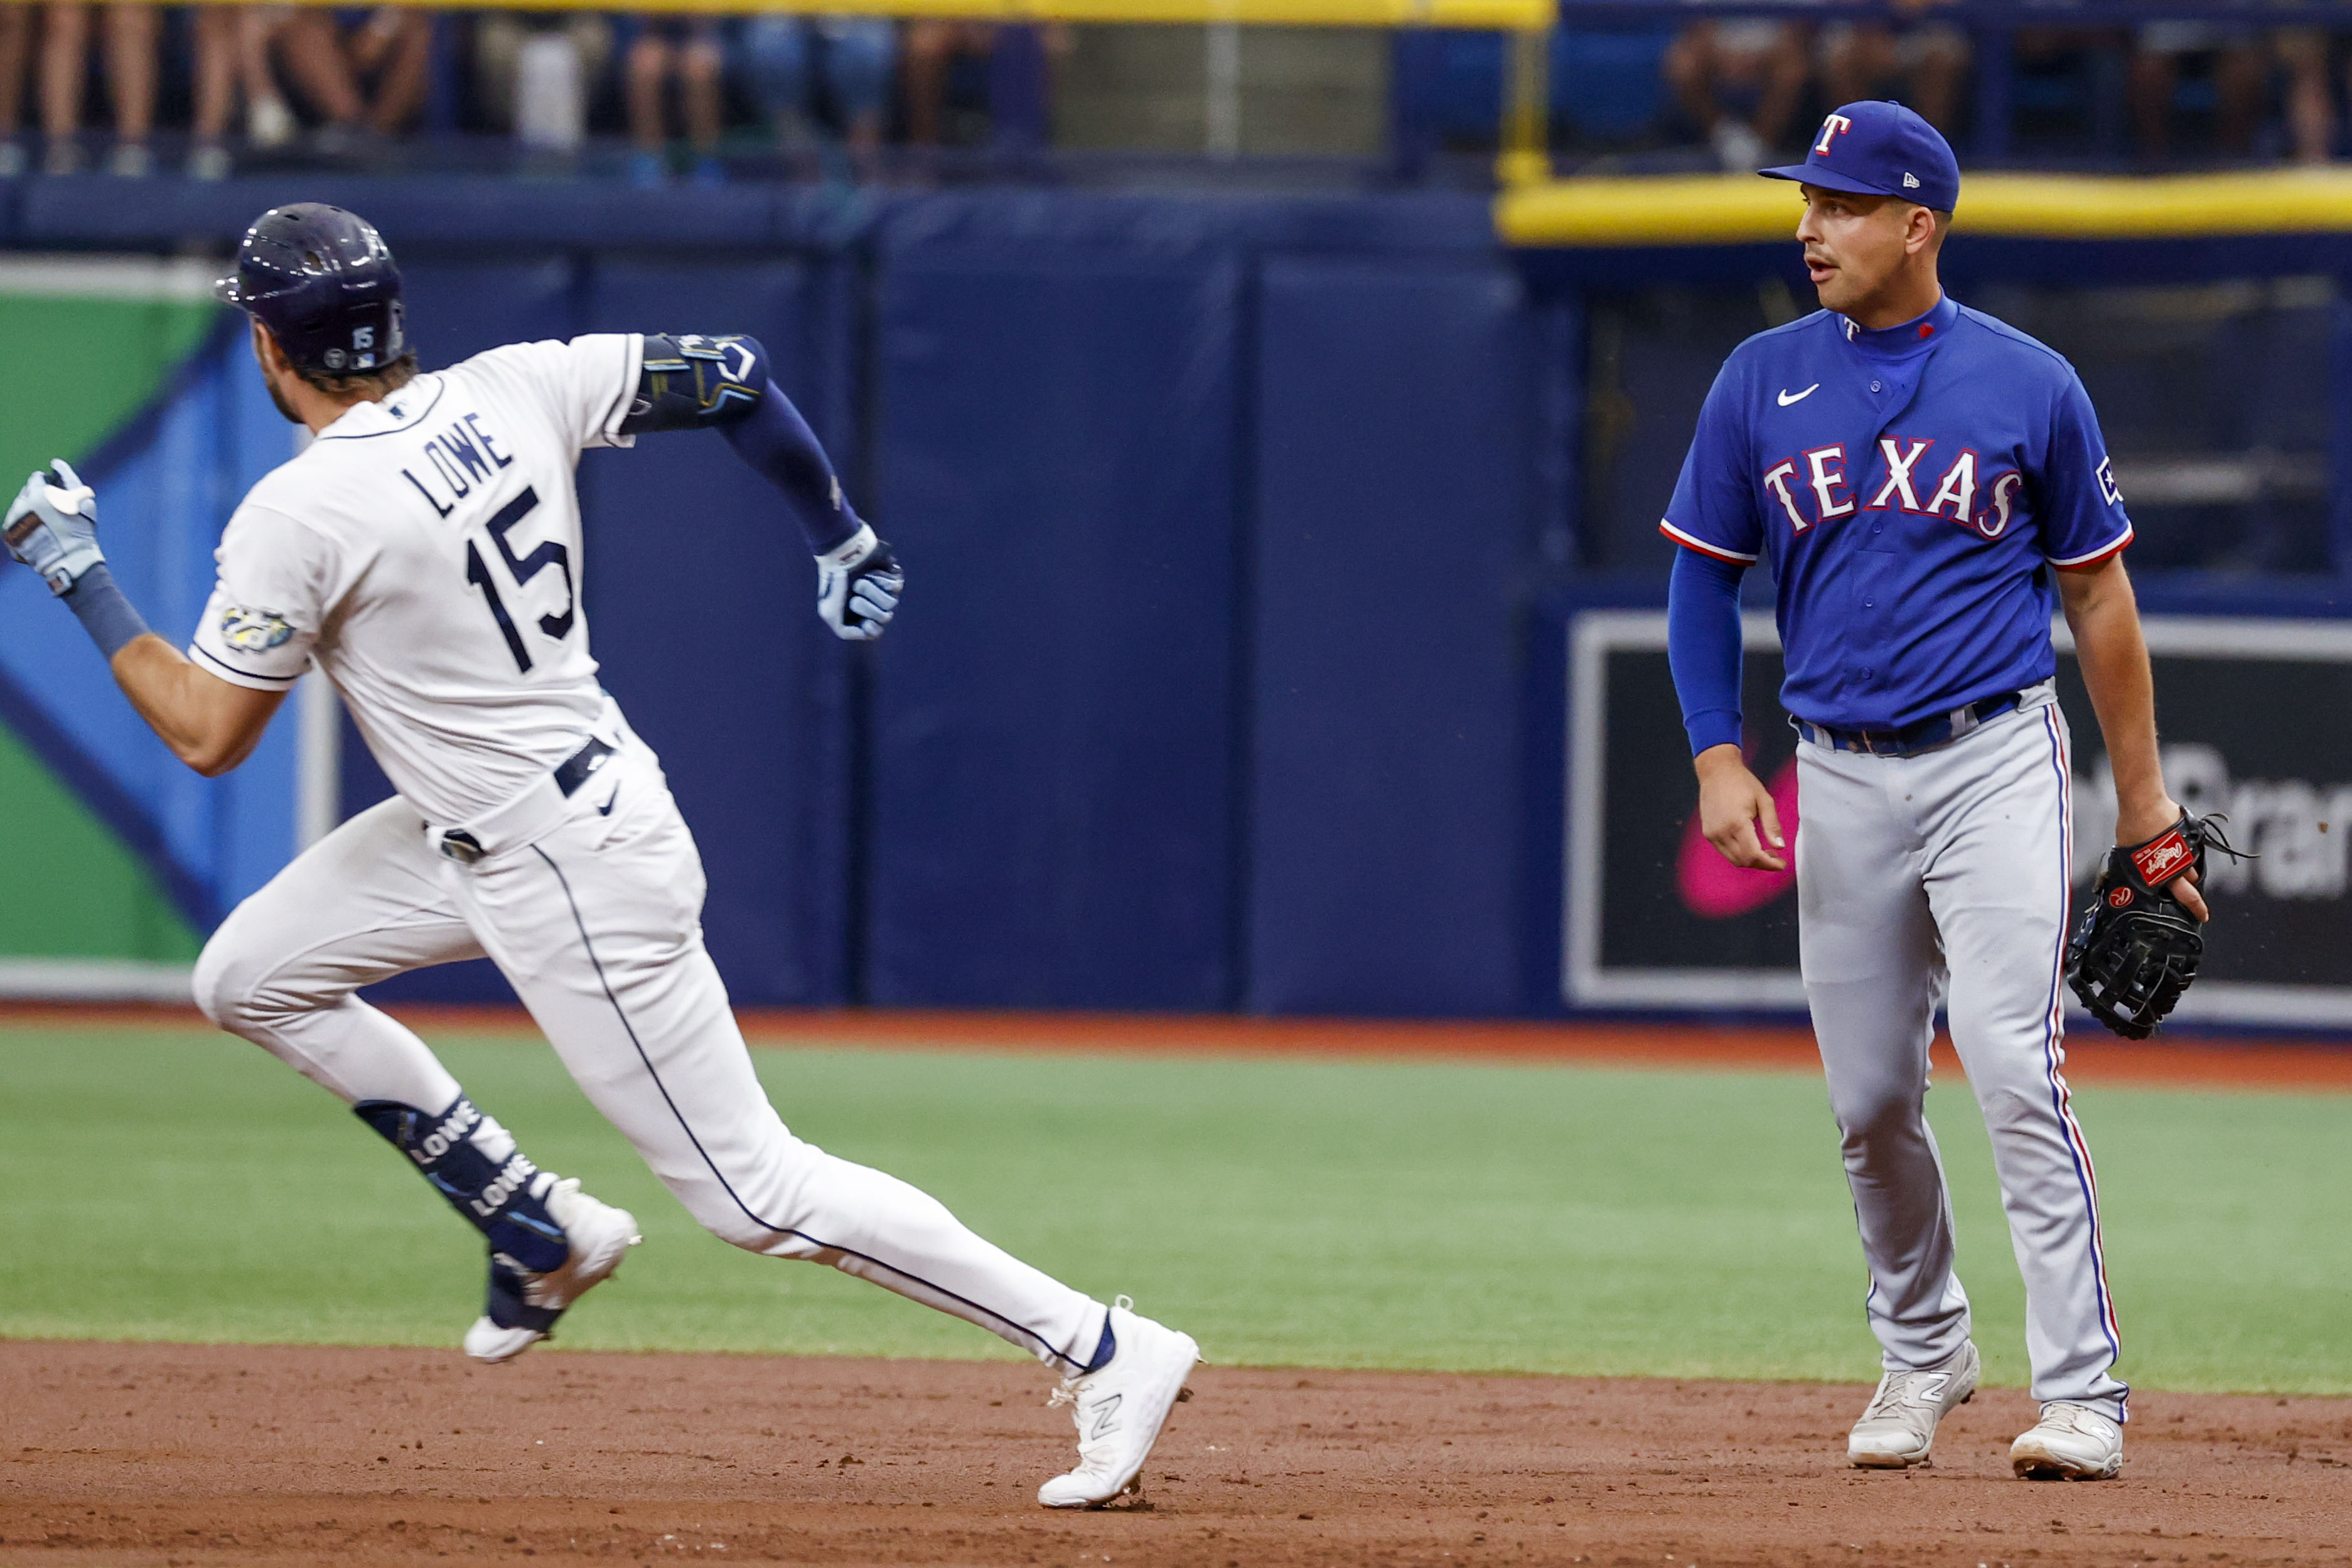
<point x="1880" y="149"/>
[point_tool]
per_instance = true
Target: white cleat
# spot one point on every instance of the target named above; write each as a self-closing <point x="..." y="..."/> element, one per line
<point x="1898" y="1429"/>
<point x="598" y="1236"/>
<point x="1119" y="1409"/>
<point x="2070" y="1443"/>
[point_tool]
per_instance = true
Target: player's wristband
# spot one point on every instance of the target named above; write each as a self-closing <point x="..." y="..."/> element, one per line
<point x="851" y="551"/>
<point x="104" y="610"/>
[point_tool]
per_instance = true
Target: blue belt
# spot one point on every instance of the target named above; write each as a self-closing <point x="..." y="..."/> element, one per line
<point x="1924" y="735"/>
<point x="569" y="774"/>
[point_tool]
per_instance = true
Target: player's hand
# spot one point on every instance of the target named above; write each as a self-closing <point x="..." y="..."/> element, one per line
<point x="2138" y="825"/>
<point x="857" y="588"/>
<point x="1733" y="807"/>
<point x="52" y="526"/>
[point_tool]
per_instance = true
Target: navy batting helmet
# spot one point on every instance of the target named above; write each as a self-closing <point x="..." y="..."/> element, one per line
<point x="324" y="283"/>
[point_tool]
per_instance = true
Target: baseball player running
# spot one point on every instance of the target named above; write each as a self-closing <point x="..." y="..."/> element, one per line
<point x="1926" y="482"/>
<point x="423" y="552"/>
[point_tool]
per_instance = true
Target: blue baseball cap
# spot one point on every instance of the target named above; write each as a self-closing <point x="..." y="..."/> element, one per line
<point x="1880" y="149"/>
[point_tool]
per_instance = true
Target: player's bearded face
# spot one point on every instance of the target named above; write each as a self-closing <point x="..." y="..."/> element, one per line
<point x="270" y="374"/>
<point x="1854" y="244"/>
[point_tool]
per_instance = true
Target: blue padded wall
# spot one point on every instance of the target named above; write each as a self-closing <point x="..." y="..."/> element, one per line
<point x="458" y="308"/>
<point x="1393" y="507"/>
<point x="700" y="593"/>
<point x="1204" y="693"/>
<point x="1052" y="721"/>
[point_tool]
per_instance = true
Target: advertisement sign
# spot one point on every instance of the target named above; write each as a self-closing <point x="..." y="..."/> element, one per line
<point x="117" y="859"/>
<point x="2253" y="715"/>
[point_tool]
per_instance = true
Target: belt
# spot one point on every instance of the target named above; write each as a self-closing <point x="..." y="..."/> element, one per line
<point x="567" y="775"/>
<point x="1923" y="735"/>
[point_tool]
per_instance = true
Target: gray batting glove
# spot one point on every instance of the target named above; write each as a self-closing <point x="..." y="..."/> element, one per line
<point x="52" y="526"/>
<point x="857" y="588"/>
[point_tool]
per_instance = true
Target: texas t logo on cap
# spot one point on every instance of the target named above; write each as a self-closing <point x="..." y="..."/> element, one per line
<point x="1880" y="149"/>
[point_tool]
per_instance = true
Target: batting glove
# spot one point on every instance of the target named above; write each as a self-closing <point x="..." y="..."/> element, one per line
<point x="52" y="526"/>
<point x="857" y="588"/>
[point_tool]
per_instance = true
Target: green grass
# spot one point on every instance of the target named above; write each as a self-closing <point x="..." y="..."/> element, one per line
<point x="184" y="1186"/>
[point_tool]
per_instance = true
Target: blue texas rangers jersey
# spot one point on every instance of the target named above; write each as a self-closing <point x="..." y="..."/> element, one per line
<point x="1909" y="486"/>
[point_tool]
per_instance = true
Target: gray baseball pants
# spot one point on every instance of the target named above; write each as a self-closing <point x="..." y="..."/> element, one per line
<point x="1946" y="873"/>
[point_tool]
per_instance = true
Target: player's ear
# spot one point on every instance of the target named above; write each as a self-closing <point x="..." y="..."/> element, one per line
<point x="1922" y="231"/>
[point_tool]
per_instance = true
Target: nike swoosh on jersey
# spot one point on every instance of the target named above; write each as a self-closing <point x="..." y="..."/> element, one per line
<point x="606" y="809"/>
<point x="1787" y="397"/>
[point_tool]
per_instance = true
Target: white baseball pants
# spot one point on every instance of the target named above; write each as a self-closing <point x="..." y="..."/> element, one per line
<point x="596" y="921"/>
<point x="1948" y="871"/>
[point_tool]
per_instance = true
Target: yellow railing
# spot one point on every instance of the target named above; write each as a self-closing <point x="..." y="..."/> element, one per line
<point x="1730" y="209"/>
<point x="1492" y="14"/>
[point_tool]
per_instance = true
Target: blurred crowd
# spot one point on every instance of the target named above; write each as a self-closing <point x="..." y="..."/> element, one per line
<point x="1746" y="86"/>
<point x="106" y="86"/>
<point x="133" y="89"/>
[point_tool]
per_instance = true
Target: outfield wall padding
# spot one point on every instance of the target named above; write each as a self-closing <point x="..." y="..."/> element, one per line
<point x="1220" y="682"/>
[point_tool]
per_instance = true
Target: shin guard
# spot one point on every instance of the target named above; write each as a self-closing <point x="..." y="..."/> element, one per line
<point x="473" y="1162"/>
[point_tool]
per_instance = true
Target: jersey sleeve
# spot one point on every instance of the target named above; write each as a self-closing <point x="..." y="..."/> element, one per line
<point x="587" y="384"/>
<point x="268" y="602"/>
<point x="1714" y="507"/>
<point x="2082" y="509"/>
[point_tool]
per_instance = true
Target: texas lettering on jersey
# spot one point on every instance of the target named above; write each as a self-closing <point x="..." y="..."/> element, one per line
<point x="1813" y="486"/>
<point x="1909" y="490"/>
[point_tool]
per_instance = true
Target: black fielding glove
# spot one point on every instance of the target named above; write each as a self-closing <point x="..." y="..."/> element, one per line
<point x="2135" y="947"/>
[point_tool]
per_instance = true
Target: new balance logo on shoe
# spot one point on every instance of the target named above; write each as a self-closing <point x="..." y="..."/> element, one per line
<point x="1929" y="1390"/>
<point x="1105" y="1418"/>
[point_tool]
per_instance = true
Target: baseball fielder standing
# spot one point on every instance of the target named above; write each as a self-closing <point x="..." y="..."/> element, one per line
<point x="423" y="552"/>
<point x="1928" y="483"/>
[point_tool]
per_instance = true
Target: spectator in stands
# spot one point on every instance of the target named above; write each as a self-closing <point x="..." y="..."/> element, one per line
<point x="1740" y="83"/>
<point x="232" y="59"/>
<point x="933" y="46"/>
<point x="1925" y="62"/>
<point x="15" y="54"/>
<point x="502" y="38"/>
<point x="847" y="62"/>
<point x="1019" y="62"/>
<point x="365" y="78"/>
<point x="687" y="49"/>
<point x="131" y="38"/>
<point x="2310" y="108"/>
<point x="2240" y="67"/>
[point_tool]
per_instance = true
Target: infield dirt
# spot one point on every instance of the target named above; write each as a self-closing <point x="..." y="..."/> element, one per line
<point x="208" y="1455"/>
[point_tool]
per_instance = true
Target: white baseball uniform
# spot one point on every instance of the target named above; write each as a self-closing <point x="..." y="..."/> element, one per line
<point x="424" y="554"/>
